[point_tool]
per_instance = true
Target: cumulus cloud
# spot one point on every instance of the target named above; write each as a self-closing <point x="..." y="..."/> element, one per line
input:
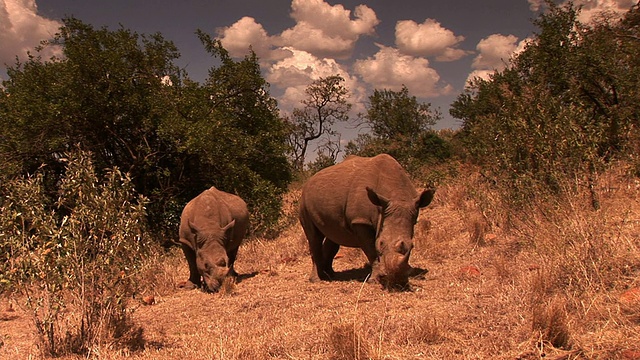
<point x="535" y="5"/>
<point x="246" y="33"/>
<point x="390" y="69"/>
<point x="21" y="29"/>
<point x="591" y="8"/>
<point x="494" y="53"/>
<point x="321" y="29"/>
<point x="325" y="30"/>
<point x="428" y="39"/>
<point x="296" y="72"/>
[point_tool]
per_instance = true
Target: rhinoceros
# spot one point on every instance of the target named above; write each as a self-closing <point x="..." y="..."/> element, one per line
<point x="212" y="227"/>
<point x="368" y="203"/>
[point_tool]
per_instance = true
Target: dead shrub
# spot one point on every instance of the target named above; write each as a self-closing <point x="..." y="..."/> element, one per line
<point x="346" y="343"/>
<point x="477" y="227"/>
<point x="433" y="244"/>
<point x="550" y="321"/>
<point x="75" y="260"/>
<point x="162" y="271"/>
<point x="425" y="331"/>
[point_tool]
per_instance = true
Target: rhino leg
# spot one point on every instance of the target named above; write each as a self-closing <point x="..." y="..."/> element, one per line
<point x="367" y="237"/>
<point x="315" y="239"/>
<point x="329" y="251"/>
<point x="232" y="254"/>
<point x="194" y="276"/>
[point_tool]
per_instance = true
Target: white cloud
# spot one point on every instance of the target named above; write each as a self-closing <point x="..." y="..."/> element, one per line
<point x="494" y="53"/>
<point x="591" y="8"/>
<point x="482" y="74"/>
<point x="535" y="5"/>
<point x="295" y="73"/>
<point x="428" y="39"/>
<point x="246" y="33"/>
<point x="389" y="69"/>
<point x="22" y="29"/>
<point x="243" y="34"/>
<point x="325" y="30"/>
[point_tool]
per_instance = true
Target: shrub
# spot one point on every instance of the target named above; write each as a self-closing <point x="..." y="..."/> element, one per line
<point x="80" y="253"/>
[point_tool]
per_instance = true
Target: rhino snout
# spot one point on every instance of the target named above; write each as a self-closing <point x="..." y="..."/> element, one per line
<point x="396" y="266"/>
<point x="214" y="276"/>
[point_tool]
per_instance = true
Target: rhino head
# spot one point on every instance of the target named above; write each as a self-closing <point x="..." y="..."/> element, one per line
<point x="211" y="256"/>
<point x="394" y="240"/>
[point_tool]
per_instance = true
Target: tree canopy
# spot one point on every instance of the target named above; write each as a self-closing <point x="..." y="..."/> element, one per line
<point x="120" y="96"/>
<point x="326" y="103"/>
<point x="565" y="107"/>
<point x="400" y="126"/>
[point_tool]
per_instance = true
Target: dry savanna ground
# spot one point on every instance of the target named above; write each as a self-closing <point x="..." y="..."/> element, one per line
<point x="560" y="283"/>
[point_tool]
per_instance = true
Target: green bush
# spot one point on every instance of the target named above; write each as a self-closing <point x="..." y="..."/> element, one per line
<point x="79" y="253"/>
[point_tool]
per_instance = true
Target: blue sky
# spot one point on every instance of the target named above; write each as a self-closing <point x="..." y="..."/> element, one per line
<point x="431" y="46"/>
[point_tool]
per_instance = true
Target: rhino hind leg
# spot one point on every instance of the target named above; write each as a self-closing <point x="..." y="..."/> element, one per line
<point x="194" y="276"/>
<point x="329" y="251"/>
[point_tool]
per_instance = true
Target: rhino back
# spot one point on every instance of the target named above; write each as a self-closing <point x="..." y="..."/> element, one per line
<point x="336" y="197"/>
<point x="392" y="180"/>
<point x="215" y="208"/>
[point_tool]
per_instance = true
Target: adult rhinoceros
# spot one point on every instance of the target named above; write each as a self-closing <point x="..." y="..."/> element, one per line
<point x="212" y="227"/>
<point x="368" y="203"/>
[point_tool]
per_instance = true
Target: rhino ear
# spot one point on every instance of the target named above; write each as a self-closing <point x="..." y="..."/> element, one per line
<point x="376" y="198"/>
<point x="229" y="225"/>
<point x="425" y="198"/>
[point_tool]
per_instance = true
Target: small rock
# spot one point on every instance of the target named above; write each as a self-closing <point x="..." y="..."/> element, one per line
<point x="469" y="270"/>
<point x="533" y="267"/>
<point x="631" y="354"/>
<point x="149" y="300"/>
<point x="631" y="297"/>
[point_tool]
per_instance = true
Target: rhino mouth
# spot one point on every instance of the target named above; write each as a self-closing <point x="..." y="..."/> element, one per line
<point x="396" y="271"/>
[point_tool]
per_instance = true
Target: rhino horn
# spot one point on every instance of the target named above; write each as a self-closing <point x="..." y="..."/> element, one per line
<point x="401" y="247"/>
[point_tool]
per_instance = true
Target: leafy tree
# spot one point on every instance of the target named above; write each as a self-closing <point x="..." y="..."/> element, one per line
<point x="237" y="135"/>
<point x="106" y="94"/>
<point x="565" y="104"/>
<point x="119" y="95"/>
<point x="324" y="105"/>
<point x="401" y="126"/>
<point x="396" y="114"/>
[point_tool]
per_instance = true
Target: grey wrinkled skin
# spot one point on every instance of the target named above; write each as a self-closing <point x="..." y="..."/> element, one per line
<point x="212" y="227"/>
<point x="368" y="203"/>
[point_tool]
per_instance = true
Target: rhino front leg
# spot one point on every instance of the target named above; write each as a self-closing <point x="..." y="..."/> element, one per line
<point x="329" y="251"/>
<point x="367" y="237"/>
<point x="232" y="254"/>
<point x="194" y="276"/>
<point x="374" y="260"/>
<point x="315" y="239"/>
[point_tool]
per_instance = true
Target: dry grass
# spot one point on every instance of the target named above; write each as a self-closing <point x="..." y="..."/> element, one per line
<point x="553" y="284"/>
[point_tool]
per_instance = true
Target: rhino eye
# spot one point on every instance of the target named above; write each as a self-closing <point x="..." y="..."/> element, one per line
<point x="221" y="262"/>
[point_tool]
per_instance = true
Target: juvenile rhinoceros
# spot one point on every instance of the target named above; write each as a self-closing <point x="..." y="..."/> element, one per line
<point x="212" y="227"/>
<point x="368" y="203"/>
